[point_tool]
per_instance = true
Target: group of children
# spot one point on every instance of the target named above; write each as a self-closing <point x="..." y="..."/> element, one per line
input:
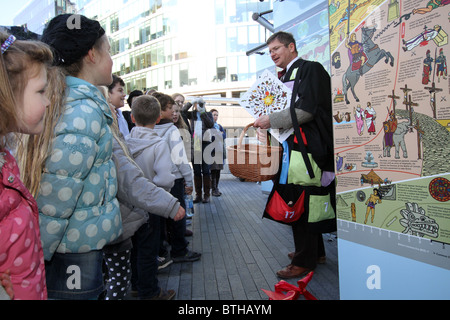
<point x="143" y="154"/>
<point x="92" y="204"/>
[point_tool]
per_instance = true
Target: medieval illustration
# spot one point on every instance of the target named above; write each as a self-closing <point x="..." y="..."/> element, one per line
<point x="391" y="107"/>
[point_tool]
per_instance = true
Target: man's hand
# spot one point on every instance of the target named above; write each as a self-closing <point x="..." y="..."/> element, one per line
<point x="201" y="108"/>
<point x="261" y="135"/>
<point x="180" y="214"/>
<point x="199" y="103"/>
<point x="262" y="122"/>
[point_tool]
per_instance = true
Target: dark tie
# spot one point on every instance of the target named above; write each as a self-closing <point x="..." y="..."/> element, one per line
<point x="281" y="73"/>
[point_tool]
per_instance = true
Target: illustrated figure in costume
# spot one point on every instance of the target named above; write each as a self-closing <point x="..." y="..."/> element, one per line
<point x="374" y="198"/>
<point x="339" y="162"/>
<point x="370" y="115"/>
<point x="431" y="5"/>
<point x="359" y="117"/>
<point x="389" y="128"/>
<point x="441" y="66"/>
<point x="426" y="35"/>
<point x="355" y="52"/>
<point x="332" y="8"/>
<point x="427" y="68"/>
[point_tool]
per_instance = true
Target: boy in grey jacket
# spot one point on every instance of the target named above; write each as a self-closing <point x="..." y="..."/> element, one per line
<point x="149" y="150"/>
<point x="152" y="155"/>
<point x="176" y="230"/>
<point x="137" y="196"/>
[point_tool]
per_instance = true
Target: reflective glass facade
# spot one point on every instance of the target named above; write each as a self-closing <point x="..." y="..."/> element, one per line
<point x="196" y="46"/>
<point x="37" y="13"/>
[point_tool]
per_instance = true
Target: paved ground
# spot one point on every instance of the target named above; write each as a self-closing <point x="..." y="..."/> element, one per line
<point x="241" y="252"/>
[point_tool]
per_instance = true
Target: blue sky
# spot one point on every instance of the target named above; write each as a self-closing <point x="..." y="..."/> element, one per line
<point x="9" y="10"/>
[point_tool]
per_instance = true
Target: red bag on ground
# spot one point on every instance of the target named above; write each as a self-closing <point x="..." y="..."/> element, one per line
<point x="287" y="291"/>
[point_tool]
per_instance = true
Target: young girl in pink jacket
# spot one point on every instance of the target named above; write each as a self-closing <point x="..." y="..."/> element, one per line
<point x="23" y="81"/>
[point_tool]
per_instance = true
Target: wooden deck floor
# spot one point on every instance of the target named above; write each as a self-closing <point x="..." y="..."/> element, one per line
<point x="241" y="252"/>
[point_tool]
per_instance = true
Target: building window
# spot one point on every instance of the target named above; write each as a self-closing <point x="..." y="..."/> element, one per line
<point x="184" y="75"/>
<point x="220" y="11"/>
<point x="114" y="23"/>
<point x="221" y="70"/>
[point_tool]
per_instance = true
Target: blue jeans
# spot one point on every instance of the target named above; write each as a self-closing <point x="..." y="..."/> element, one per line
<point x="144" y="255"/>
<point x="75" y="276"/>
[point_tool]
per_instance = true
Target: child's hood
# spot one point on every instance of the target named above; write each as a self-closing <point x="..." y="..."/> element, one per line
<point x="163" y="127"/>
<point x="141" y="138"/>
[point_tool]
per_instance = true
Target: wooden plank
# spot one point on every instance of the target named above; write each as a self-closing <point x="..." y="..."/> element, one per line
<point x="241" y="251"/>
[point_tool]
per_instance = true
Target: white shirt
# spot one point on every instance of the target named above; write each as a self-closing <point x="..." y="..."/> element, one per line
<point x="123" y="124"/>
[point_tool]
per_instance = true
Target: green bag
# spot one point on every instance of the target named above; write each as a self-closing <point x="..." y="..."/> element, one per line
<point x="298" y="172"/>
<point x="320" y="201"/>
<point x="320" y="208"/>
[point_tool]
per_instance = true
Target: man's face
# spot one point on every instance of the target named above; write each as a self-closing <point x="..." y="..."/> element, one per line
<point x="280" y="54"/>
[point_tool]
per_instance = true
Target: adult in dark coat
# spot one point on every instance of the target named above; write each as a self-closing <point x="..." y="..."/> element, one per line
<point x="201" y="122"/>
<point x="312" y="106"/>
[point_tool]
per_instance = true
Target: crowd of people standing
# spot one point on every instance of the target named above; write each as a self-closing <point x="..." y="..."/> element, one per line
<point x="109" y="185"/>
<point x="92" y="199"/>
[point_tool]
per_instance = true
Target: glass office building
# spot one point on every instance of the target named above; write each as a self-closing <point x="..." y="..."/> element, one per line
<point x="196" y="47"/>
<point x="36" y="14"/>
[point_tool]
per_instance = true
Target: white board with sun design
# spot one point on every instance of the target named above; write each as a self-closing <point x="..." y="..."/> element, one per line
<point x="266" y="96"/>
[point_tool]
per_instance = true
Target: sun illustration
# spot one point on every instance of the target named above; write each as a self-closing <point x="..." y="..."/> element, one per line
<point x="268" y="100"/>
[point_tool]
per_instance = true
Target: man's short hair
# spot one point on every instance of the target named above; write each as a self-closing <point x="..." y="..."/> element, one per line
<point x="284" y="37"/>
<point x="146" y="110"/>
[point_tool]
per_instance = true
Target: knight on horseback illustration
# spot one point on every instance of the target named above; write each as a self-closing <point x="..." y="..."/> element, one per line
<point x="368" y="57"/>
<point x="355" y="53"/>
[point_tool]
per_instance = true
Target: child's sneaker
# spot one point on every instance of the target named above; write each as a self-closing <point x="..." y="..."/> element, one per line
<point x="164" y="262"/>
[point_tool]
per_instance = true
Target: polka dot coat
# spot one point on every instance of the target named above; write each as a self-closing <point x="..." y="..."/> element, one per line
<point x="77" y="201"/>
<point x="20" y="245"/>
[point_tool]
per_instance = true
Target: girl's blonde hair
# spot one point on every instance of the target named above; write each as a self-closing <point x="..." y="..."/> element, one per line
<point x="32" y="151"/>
<point x="21" y="61"/>
<point x="115" y="126"/>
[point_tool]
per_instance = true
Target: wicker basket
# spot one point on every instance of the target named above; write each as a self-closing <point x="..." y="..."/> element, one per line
<point x="253" y="162"/>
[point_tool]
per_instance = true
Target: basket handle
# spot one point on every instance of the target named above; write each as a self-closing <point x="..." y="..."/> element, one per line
<point x="243" y="134"/>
